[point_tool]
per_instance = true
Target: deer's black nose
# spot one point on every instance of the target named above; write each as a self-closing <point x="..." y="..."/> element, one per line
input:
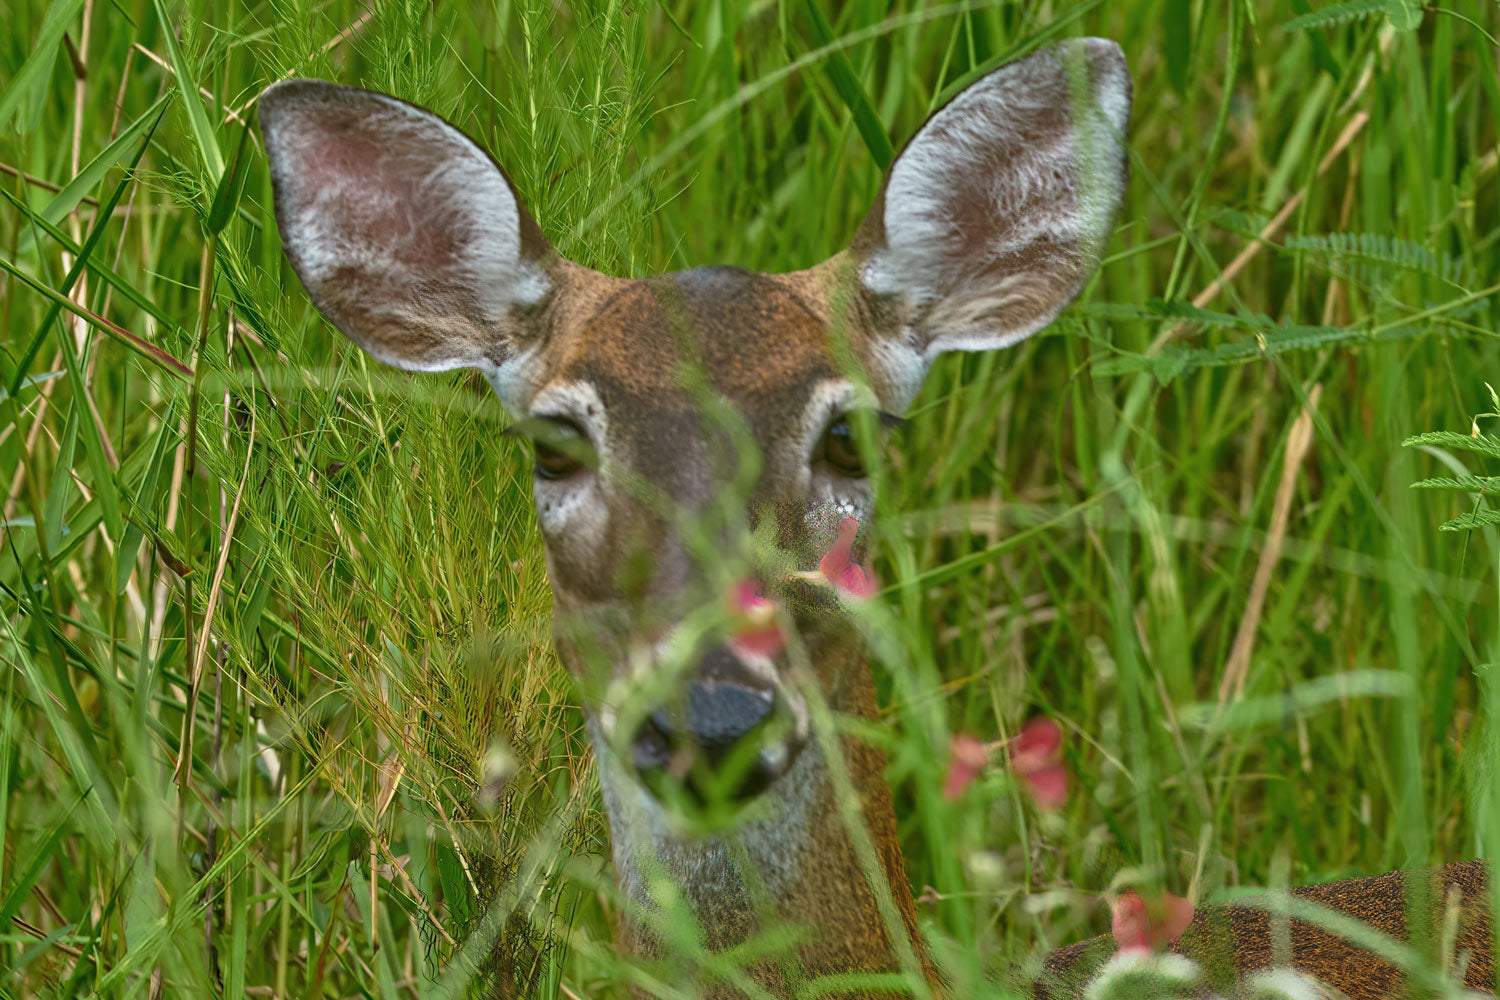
<point x="716" y="716"/>
<point x="711" y="724"/>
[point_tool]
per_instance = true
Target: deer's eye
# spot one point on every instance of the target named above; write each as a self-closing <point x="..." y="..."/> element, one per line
<point x="559" y="447"/>
<point x="840" y="450"/>
<point x="554" y="464"/>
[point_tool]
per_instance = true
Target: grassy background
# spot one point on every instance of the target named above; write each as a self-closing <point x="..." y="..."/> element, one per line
<point x="279" y="713"/>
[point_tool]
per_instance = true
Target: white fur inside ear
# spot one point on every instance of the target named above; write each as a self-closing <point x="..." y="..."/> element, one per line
<point x="404" y="231"/>
<point x="996" y="211"/>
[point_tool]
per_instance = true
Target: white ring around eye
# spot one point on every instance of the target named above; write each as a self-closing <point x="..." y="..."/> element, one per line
<point x="577" y="403"/>
<point x="573" y="511"/>
<point x="828" y="399"/>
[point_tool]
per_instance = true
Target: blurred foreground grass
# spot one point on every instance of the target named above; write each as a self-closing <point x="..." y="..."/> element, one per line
<point x="357" y="755"/>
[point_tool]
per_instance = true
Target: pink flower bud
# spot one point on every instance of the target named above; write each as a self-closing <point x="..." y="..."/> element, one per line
<point x="1141" y="926"/>
<point x="1048" y="787"/>
<point x="1036" y="758"/>
<point x="967" y="756"/>
<point x="849" y="577"/>
<point x="753" y="620"/>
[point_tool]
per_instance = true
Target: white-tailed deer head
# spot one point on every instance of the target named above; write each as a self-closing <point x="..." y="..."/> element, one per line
<point x="711" y="411"/>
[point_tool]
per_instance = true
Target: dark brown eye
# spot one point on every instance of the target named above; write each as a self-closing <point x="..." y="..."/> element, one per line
<point x="840" y="451"/>
<point x="558" y="446"/>
<point x="554" y="464"/>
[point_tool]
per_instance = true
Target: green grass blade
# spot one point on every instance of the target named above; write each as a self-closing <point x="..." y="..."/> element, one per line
<point x="62" y="490"/>
<point x="187" y="906"/>
<point x="138" y="131"/>
<point x="231" y="187"/>
<point x="26" y="86"/>
<point x="103" y="478"/>
<point x="84" y="254"/>
<point x="8" y="717"/>
<point x="29" y="871"/>
<point x="95" y="266"/>
<point x="1177" y="31"/>
<point x="192" y="102"/>
<point x="144" y="505"/>
<point x="141" y="346"/>
<point x="849" y="89"/>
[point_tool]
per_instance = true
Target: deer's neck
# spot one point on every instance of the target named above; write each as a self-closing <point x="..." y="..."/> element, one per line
<point x="791" y="861"/>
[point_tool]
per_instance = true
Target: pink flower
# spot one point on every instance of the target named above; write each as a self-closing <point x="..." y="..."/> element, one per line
<point x="967" y="756"/>
<point x="1141" y="926"/>
<point x="753" y="615"/>
<point x="849" y="577"/>
<point x="1036" y="758"/>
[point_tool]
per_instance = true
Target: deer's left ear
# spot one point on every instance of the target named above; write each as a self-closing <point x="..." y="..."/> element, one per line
<point x="994" y="215"/>
<point x="405" y="233"/>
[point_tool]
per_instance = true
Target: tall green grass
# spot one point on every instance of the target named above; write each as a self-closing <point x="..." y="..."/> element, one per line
<point x="279" y="713"/>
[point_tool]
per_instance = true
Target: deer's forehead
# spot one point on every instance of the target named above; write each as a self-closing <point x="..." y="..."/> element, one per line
<point x="752" y="337"/>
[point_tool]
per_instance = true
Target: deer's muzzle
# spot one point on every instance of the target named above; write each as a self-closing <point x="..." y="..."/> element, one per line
<point x="727" y="734"/>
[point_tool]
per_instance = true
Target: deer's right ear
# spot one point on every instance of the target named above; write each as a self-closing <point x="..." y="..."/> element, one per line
<point x="993" y="217"/>
<point x="405" y="233"/>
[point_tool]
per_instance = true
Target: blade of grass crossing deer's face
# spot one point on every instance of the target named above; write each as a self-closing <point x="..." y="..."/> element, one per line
<point x="699" y="462"/>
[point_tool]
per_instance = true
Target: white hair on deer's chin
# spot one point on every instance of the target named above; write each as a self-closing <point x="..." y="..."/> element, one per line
<point x="706" y="868"/>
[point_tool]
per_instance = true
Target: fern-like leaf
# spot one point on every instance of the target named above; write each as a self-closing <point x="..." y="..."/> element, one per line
<point x="1270" y="340"/>
<point x="1158" y="310"/>
<point x="1338" y="13"/>
<point x="1470" y="521"/>
<point x="1463" y="484"/>
<point x="1484" y="444"/>
<point x="1378" y="248"/>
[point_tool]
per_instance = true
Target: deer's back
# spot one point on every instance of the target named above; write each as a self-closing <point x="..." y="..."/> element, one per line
<point x="1234" y="941"/>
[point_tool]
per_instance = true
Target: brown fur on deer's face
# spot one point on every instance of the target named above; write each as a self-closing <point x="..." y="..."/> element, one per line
<point x="706" y="398"/>
<point x="640" y="374"/>
<point x="412" y="242"/>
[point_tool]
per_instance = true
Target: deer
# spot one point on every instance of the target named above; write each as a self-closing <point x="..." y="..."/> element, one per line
<point x="414" y="243"/>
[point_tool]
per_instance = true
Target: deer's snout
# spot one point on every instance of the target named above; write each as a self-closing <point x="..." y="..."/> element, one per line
<point x="727" y="733"/>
